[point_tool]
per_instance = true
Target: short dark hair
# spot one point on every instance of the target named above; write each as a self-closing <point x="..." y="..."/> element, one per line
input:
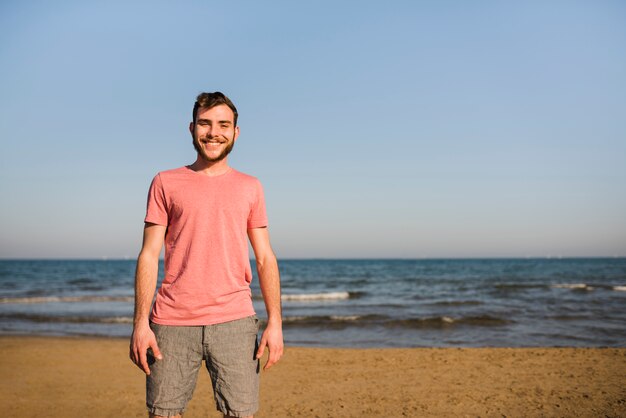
<point x="209" y="100"/>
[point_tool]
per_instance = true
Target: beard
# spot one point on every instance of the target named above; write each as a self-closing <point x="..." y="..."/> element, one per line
<point x="202" y="153"/>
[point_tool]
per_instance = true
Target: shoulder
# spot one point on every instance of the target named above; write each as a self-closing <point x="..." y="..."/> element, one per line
<point x="174" y="175"/>
<point x="174" y="172"/>
<point x="169" y="180"/>
<point x="244" y="178"/>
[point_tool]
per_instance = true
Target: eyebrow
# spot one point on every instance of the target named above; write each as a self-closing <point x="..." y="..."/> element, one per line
<point x="219" y="121"/>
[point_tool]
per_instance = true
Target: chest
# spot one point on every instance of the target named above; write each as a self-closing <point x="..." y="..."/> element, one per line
<point x="210" y="200"/>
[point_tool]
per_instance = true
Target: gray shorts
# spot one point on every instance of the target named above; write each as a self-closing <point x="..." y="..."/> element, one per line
<point x="228" y="350"/>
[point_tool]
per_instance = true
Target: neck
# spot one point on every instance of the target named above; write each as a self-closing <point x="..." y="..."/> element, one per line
<point x="210" y="168"/>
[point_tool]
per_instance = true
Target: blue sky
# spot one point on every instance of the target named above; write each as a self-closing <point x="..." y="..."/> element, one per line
<point x="395" y="129"/>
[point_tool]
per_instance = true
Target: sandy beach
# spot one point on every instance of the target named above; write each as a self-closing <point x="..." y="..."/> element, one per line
<point x="92" y="377"/>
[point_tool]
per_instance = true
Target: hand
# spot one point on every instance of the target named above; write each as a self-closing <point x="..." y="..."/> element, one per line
<point x="143" y="339"/>
<point x="272" y="338"/>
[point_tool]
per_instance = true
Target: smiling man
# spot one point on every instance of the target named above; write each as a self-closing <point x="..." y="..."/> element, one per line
<point x="204" y="214"/>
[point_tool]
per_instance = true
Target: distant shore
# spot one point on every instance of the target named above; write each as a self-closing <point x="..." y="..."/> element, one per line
<point x="54" y="377"/>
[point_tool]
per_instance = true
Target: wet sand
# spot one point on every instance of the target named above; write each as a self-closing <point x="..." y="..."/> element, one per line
<point x="91" y="377"/>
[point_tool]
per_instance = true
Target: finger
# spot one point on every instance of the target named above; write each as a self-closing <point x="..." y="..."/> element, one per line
<point x="143" y="362"/>
<point x="136" y="359"/>
<point x="261" y="349"/>
<point x="271" y="360"/>
<point x="156" y="351"/>
<point x="133" y="356"/>
<point x="275" y="354"/>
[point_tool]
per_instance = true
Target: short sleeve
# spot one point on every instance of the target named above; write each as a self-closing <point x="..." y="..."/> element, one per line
<point x="258" y="215"/>
<point x="156" y="212"/>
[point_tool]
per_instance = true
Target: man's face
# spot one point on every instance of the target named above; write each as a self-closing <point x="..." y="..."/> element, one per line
<point x="214" y="133"/>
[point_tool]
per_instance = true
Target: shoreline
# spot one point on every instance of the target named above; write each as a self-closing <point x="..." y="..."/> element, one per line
<point x="88" y="337"/>
<point x="92" y="376"/>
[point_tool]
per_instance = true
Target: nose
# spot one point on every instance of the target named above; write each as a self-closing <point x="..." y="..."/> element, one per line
<point x="211" y="131"/>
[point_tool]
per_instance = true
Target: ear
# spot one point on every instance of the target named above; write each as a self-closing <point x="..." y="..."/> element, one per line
<point x="191" y="128"/>
<point x="236" y="133"/>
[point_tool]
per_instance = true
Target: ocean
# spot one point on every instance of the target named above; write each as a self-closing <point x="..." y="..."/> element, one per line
<point x="578" y="302"/>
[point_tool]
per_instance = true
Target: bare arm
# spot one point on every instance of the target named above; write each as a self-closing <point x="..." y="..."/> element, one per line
<point x="145" y="285"/>
<point x="269" y="279"/>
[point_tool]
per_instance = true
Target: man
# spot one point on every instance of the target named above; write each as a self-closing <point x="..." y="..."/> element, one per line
<point x="203" y="309"/>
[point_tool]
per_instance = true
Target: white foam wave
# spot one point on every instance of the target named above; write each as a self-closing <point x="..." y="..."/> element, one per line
<point x="581" y="286"/>
<point x="294" y="318"/>
<point x="118" y="320"/>
<point x="620" y="288"/>
<point x="345" y="318"/>
<point x="66" y="299"/>
<point x="317" y="296"/>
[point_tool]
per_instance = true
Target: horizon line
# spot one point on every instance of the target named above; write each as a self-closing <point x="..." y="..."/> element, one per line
<point x="533" y="257"/>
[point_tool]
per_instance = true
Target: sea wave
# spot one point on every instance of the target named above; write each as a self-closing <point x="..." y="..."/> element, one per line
<point x="333" y="321"/>
<point x="509" y="287"/>
<point x="372" y="320"/>
<point x="65" y="299"/>
<point x="317" y="296"/>
<point x="518" y="286"/>
<point x="584" y="286"/>
<point x="573" y="286"/>
<point x="326" y="319"/>
<point x="69" y="318"/>
<point x="447" y="321"/>
<point x="345" y="318"/>
<point x="457" y="303"/>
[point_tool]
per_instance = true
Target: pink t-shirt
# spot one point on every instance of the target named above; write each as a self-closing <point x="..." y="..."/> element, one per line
<point x="207" y="265"/>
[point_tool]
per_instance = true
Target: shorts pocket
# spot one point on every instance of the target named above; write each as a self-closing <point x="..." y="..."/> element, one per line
<point x="254" y="321"/>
